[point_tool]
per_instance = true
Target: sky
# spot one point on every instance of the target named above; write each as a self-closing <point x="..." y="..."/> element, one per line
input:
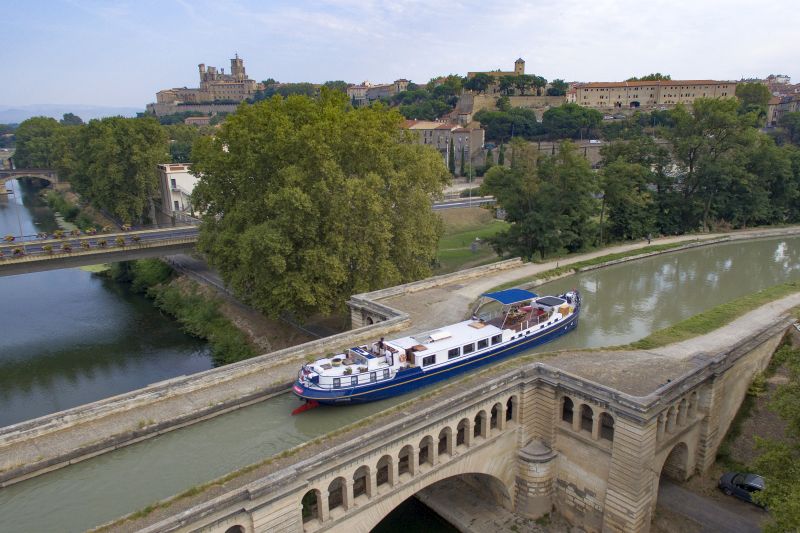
<point x="120" y="53"/>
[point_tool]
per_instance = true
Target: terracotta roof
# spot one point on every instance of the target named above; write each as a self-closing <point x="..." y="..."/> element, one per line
<point x="667" y="83"/>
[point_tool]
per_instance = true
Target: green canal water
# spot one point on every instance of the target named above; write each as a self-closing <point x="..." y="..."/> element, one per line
<point x="68" y="337"/>
<point x="621" y="304"/>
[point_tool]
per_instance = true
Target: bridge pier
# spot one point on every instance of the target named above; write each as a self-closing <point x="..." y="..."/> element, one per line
<point x="534" y="483"/>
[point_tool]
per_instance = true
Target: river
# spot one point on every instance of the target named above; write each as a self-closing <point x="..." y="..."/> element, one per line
<point x="69" y="337"/>
<point x="621" y="303"/>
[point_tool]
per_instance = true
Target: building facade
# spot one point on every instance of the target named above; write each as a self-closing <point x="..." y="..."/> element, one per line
<point x="216" y="87"/>
<point x="779" y="106"/>
<point x="467" y="140"/>
<point x="519" y="69"/>
<point x="366" y="92"/>
<point x="176" y="184"/>
<point x="633" y="94"/>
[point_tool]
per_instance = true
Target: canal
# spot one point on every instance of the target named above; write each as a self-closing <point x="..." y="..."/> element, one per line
<point x="621" y="304"/>
<point x="69" y="337"/>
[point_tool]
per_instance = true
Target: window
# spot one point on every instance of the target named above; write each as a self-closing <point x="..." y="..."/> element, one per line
<point x="354" y="380"/>
<point x="497" y="339"/>
<point x="172" y="182"/>
<point x="469" y="348"/>
<point x="483" y="343"/>
<point x="428" y="360"/>
<point x="385" y="373"/>
<point x="373" y="377"/>
<point x="177" y="206"/>
<point x="453" y="353"/>
<point x="337" y="382"/>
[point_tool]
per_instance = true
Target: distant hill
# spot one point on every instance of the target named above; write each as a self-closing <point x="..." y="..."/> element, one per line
<point x="16" y="114"/>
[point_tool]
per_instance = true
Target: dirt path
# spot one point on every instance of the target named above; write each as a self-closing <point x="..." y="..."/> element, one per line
<point x="711" y="515"/>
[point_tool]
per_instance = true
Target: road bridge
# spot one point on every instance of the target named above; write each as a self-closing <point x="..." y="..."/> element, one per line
<point x="539" y="436"/>
<point x="27" y="255"/>
<point x="46" y="174"/>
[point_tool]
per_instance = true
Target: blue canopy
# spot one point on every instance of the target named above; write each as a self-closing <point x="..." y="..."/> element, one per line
<point x="511" y="296"/>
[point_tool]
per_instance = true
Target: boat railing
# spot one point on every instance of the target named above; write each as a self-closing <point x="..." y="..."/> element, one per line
<point x="346" y="380"/>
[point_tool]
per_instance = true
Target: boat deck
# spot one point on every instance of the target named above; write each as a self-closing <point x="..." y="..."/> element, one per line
<point x="520" y="320"/>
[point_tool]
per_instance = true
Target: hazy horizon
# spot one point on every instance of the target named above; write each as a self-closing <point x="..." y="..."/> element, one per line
<point x="90" y="52"/>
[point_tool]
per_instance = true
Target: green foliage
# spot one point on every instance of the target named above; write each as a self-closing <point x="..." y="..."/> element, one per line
<point x="39" y="143"/>
<point x="437" y="98"/>
<point x="790" y="122"/>
<point x="115" y="164"/>
<point x="479" y="83"/>
<point x="309" y="201"/>
<point x="286" y="90"/>
<point x="181" y="138"/>
<point x="503" y="104"/>
<point x="501" y="126"/>
<point x="548" y="199"/>
<point x="177" y="118"/>
<point x="71" y="120"/>
<point x="779" y="462"/>
<point x="753" y="98"/>
<point x="570" y="121"/>
<point x="651" y="77"/>
<point x="557" y="88"/>
<point x="451" y="159"/>
<point x="336" y="85"/>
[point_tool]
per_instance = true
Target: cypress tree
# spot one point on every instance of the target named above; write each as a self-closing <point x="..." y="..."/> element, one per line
<point x="451" y="163"/>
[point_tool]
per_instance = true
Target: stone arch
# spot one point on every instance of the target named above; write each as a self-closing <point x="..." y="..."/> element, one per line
<point x="445" y="445"/>
<point x="426" y="451"/>
<point x="587" y="418"/>
<point x="676" y="465"/>
<point x="490" y="487"/>
<point x="512" y="409"/>
<point x="683" y="411"/>
<point x="336" y="494"/>
<point x="33" y="175"/>
<point x="361" y="484"/>
<point x="235" y="529"/>
<point x="496" y="418"/>
<point x="462" y="432"/>
<point x="384" y="471"/>
<point x="405" y="460"/>
<point x="606" y="426"/>
<point x="480" y="427"/>
<point x="369" y="321"/>
<point x="567" y="409"/>
<point x="311" y="506"/>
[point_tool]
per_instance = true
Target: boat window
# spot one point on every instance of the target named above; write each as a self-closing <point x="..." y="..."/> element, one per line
<point x="469" y="348"/>
<point x="337" y="382"/>
<point x="497" y="339"/>
<point x="453" y="353"/>
<point x="385" y="373"/>
<point x="428" y="360"/>
<point x="373" y="376"/>
<point x="354" y="380"/>
<point x="483" y="343"/>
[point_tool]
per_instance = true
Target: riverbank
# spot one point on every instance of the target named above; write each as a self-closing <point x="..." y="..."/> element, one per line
<point x="196" y="311"/>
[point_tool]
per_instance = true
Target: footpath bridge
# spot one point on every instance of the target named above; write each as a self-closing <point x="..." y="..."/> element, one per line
<point x="30" y="254"/>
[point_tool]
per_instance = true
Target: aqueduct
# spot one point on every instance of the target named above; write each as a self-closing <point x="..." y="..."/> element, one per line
<point x="538" y="437"/>
<point x="46" y="174"/>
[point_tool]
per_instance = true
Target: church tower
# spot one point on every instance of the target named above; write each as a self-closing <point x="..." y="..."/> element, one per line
<point x="237" y="68"/>
<point x="519" y="67"/>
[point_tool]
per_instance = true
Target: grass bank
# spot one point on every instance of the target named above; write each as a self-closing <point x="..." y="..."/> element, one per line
<point x="198" y="314"/>
<point x="462" y="227"/>
<point x="69" y="211"/>
<point x="715" y="318"/>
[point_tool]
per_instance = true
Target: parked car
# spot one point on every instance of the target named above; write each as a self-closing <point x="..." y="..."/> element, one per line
<point x="741" y="485"/>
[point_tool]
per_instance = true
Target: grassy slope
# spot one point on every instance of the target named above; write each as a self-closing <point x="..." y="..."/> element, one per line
<point x="462" y="226"/>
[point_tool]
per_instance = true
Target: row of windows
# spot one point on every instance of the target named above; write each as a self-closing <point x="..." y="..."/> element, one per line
<point x="452" y="353"/>
<point x="373" y="377"/>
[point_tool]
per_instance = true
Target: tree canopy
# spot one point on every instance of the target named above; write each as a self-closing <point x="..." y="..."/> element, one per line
<point x="308" y="201"/>
<point x="657" y="76"/>
<point x="753" y="98"/>
<point x="38" y="143"/>
<point x="70" y="119"/>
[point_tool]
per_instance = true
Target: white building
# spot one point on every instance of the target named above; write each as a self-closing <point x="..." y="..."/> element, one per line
<point x="176" y="184"/>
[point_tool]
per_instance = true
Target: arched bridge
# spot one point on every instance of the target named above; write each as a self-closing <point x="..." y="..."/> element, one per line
<point x="534" y="438"/>
<point x="46" y="174"/>
<point x="23" y="256"/>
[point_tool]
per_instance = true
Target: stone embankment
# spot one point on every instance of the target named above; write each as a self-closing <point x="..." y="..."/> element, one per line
<point x="54" y="441"/>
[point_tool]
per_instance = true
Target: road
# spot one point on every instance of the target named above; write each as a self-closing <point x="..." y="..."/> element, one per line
<point x="464" y="202"/>
<point x="731" y="516"/>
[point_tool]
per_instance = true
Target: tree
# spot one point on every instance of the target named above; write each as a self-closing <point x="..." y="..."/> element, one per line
<point x="627" y="200"/>
<point x="462" y="172"/>
<point x="479" y="82"/>
<point x="506" y="84"/>
<point x="451" y="158"/>
<point x="570" y="121"/>
<point x="538" y="82"/>
<point x="71" y="120"/>
<point x="336" y="85"/>
<point x="115" y="165"/>
<point x="651" y="77"/>
<point x="753" y="98"/>
<point x="308" y="201"/>
<point x="501" y="156"/>
<point x="37" y="143"/>
<point x="548" y="200"/>
<point x="522" y="82"/>
<point x="503" y="104"/>
<point x="790" y="122"/>
<point x="557" y="88"/>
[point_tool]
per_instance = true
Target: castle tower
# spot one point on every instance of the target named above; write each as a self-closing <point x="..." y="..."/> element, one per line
<point x="202" y="68"/>
<point x="519" y="67"/>
<point x="237" y="68"/>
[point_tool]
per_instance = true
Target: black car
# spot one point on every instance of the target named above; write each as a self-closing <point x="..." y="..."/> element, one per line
<point x="741" y="485"/>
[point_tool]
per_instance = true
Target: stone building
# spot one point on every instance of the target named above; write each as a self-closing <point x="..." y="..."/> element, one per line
<point x="779" y="106"/>
<point x="519" y="69"/>
<point x="466" y="139"/>
<point x="367" y="92"/>
<point x="216" y="88"/>
<point x="633" y="94"/>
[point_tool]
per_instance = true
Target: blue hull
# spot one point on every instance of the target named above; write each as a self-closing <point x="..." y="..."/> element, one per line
<point x="414" y="378"/>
